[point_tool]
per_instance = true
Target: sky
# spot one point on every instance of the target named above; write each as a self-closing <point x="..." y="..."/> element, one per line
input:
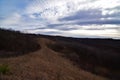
<point x="71" y="18"/>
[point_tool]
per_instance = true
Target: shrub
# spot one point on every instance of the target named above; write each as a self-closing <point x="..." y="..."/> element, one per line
<point x="4" y="69"/>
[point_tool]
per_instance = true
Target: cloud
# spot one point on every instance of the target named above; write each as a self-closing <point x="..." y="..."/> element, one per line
<point x="93" y="16"/>
<point x="83" y="11"/>
<point x="84" y="15"/>
<point x="66" y="17"/>
<point x="54" y="9"/>
<point x="82" y="31"/>
<point x="12" y="20"/>
<point x="51" y="11"/>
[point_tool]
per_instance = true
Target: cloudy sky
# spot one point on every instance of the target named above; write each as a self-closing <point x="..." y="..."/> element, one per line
<point x="73" y="18"/>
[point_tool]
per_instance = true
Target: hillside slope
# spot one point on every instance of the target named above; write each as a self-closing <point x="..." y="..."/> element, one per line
<point x="14" y="43"/>
<point x="44" y="64"/>
<point x="99" y="56"/>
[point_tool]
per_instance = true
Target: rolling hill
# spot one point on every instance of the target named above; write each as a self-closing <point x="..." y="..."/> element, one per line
<point x="42" y="57"/>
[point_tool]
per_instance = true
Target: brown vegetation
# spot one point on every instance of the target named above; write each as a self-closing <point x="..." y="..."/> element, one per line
<point x="99" y="56"/>
<point x="14" y="43"/>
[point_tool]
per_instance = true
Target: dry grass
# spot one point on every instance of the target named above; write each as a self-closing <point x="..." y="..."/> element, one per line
<point x="101" y="57"/>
